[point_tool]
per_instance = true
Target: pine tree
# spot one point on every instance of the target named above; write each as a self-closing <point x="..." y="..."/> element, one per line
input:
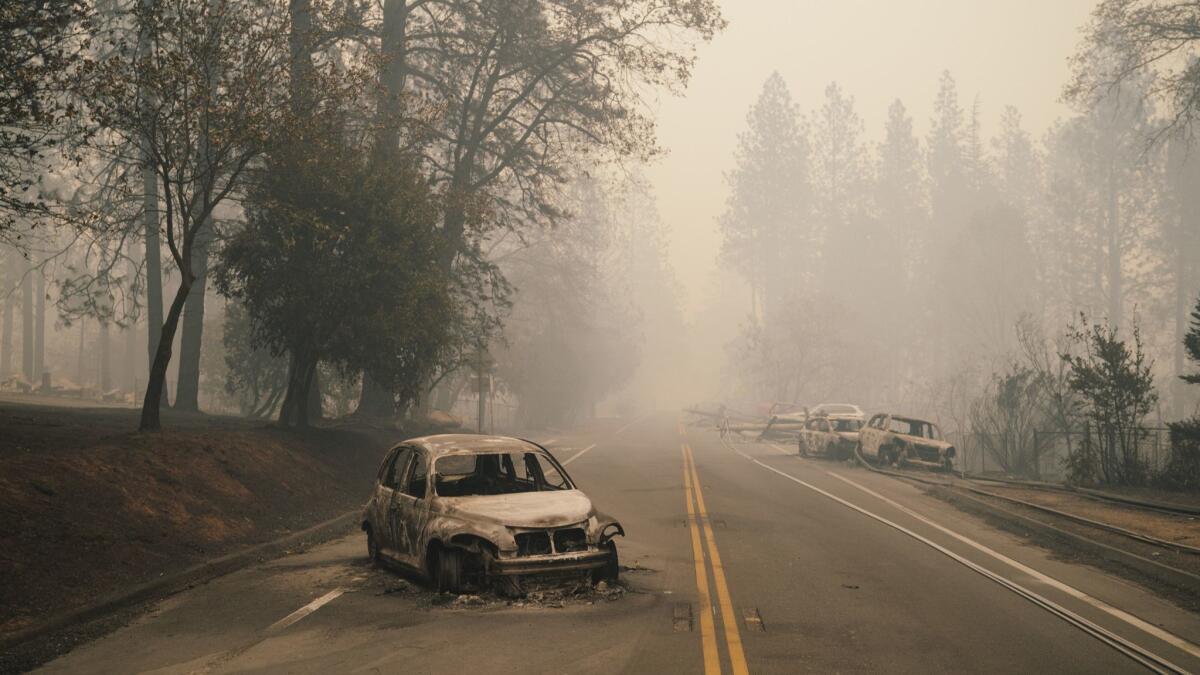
<point x="839" y="163"/>
<point x="838" y="160"/>
<point x="1018" y="170"/>
<point x="947" y="170"/>
<point x="900" y="187"/>
<point x="765" y="223"/>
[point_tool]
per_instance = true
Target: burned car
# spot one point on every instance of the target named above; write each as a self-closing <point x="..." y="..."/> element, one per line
<point x="484" y="511"/>
<point x="833" y="436"/>
<point x="895" y="439"/>
<point x="839" y="409"/>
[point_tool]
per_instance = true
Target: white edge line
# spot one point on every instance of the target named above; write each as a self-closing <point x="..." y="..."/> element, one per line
<point x="1136" y="652"/>
<point x="576" y="456"/>
<point x="1141" y="624"/>
<point x="305" y="610"/>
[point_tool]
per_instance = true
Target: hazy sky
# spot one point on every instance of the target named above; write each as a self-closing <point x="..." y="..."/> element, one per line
<point x="1005" y="51"/>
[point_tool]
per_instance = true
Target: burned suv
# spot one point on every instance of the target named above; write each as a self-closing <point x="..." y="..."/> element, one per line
<point x="895" y="439"/>
<point x="478" y="511"/>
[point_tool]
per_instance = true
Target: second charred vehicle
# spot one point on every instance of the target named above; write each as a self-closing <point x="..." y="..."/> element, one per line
<point x="475" y="511"/>
<point x="895" y="439"/>
<point x="833" y="436"/>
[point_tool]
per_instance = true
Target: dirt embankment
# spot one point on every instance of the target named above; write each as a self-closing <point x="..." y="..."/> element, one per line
<point x="89" y="507"/>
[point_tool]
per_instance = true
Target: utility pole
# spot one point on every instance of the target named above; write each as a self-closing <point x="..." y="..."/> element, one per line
<point x="482" y="390"/>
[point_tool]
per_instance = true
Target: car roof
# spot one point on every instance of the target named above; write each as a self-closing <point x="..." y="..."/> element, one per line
<point x="458" y="444"/>
<point x="840" y="406"/>
<point x="906" y="418"/>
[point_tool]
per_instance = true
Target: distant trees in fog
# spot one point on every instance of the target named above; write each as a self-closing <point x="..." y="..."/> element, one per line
<point x="932" y="250"/>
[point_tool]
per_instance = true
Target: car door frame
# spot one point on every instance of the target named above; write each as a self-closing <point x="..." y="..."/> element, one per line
<point x="381" y="498"/>
<point x="410" y="514"/>
<point x="387" y="500"/>
<point x="873" y="436"/>
<point x="806" y="436"/>
<point x="825" y="433"/>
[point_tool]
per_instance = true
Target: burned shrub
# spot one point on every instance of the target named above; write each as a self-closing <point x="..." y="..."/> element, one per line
<point x="1114" y="381"/>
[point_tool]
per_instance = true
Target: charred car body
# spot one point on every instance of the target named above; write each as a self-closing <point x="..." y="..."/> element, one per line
<point x="465" y="510"/>
<point x="895" y="439"/>
<point x="833" y="436"/>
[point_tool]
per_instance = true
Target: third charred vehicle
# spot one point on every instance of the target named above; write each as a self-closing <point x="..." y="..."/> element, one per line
<point x="895" y="439"/>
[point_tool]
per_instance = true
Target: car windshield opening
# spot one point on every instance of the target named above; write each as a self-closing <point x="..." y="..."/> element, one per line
<point x="496" y="473"/>
<point x="916" y="428"/>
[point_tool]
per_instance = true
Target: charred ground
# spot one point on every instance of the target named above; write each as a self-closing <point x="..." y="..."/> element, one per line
<point x="89" y="507"/>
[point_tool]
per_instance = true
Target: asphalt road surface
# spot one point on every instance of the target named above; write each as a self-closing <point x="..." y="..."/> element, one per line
<point x="740" y="557"/>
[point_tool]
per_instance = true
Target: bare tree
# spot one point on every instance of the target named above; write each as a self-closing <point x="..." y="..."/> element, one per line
<point x="1130" y="40"/>
<point x="200" y="102"/>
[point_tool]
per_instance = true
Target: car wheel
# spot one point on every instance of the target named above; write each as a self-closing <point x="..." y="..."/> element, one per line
<point x="948" y="465"/>
<point x="450" y="570"/>
<point x="612" y="566"/>
<point x="803" y="448"/>
<point x="373" y="547"/>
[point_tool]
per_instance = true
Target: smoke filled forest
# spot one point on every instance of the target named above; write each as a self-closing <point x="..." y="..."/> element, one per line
<point x="421" y="210"/>
<point x="600" y="336"/>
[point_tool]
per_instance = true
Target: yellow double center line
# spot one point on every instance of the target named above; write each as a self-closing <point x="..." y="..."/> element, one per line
<point x="698" y="514"/>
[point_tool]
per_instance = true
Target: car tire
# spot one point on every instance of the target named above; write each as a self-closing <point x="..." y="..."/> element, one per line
<point x="450" y="570"/>
<point x="612" y="566"/>
<point x="373" y="547"/>
<point x="803" y="448"/>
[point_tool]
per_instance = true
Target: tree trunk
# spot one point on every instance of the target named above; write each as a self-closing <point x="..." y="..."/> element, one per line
<point x="375" y="401"/>
<point x="454" y="224"/>
<point x="314" y="401"/>
<point x="481" y="391"/>
<point x="39" y="329"/>
<point x="1178" y="387"/>
<point x="79" y="360"/>
<point x="150" y="224"/>
<point x="129" y="381"/>
<point x="394" y="51"/>
<point x="27" y="322"/>
<point x="294" y="411"/>
<point x="105" y="358"/>
<point x="156" y="390"/>
<point x="9" y="288"/>
<point x="187" y="393"/>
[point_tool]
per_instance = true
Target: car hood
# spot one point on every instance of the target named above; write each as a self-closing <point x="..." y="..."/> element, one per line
<point x="525" y="509"/>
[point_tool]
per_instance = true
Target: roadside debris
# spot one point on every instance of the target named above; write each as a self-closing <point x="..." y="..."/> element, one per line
<point x="545" y="596"/>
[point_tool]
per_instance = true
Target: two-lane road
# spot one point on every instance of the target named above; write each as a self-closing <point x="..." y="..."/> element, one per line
<point x="742" y="558"/>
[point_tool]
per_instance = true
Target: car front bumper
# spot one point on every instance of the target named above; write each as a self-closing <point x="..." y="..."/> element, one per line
<point x="550" y="564"/>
